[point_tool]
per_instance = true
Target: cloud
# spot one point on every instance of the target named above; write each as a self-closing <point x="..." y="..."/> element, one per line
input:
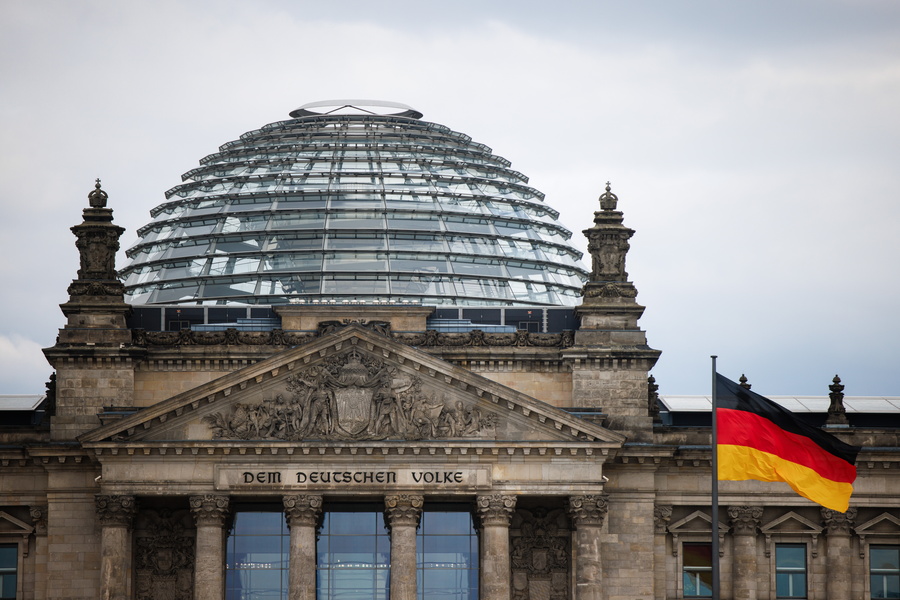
<point x="24" y="367"/>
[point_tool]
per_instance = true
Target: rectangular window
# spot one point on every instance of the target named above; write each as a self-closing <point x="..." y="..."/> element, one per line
<point x="697" y="570"/>
<point x="884" y="571"/>
<point x="790" y="570"/>
<point x="256" y="565"/>
<point x="9" y="563"/>
<point x="447" y="556"/>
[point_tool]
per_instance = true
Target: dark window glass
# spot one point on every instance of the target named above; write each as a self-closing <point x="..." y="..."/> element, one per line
<point x="9" y="562"/>
<point x="697" y="570"/>
<point x="790" y="570"/>
<point x="447" y="556"/>
<point x="257" y="557"/>
<point x="884" y="571"/>
<point x="353" y="555"/>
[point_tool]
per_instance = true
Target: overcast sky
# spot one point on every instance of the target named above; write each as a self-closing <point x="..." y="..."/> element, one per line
<point x="754" y="147"/>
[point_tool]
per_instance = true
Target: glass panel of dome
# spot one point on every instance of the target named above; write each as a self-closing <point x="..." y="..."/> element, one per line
<point x="304" y="201"/>
<point x="415" y="285"/>
<point x="359" y="201"/>
<point x="531" y="273"/>
<point x="353" y="241"/>
<point x="298" y="284"/>
<point x="244" y="223"/>
<point x="356" y="220"/>
<point x="474" y="266"/>
<point x="191" y="248"/>
<point x="353" y="285"/>
<point x="410" y="241"/>
<point x="227" y="245"/>
<point x="407" y="223"/>
<point x="193" y="268"/>
<point x="231" y="265"/>
<point x="173" y="294"/>
<point x="194" y="228"/>
<point x="468" y="224"/>
<point x="303" y="241"/>
<point x="355" y="261"/>
<point x="306" y="220"/>
<point x="227" y="287"/>
<point x="419" y="263"/>
<point x="294" y="262"/>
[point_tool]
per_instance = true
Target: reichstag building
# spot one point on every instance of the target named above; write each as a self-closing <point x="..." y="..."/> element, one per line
<point x="354" y="355"/>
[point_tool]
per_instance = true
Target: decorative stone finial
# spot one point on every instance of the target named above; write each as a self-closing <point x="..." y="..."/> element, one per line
<point x="837" y="414"/>
<point x="608" y="200"/>
<point x="97" y="197"/>
<point x="743" y="382"/>
<point x="653" y="399"/>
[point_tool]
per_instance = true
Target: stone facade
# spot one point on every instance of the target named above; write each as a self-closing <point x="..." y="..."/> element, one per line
<point x="158" y="437"/>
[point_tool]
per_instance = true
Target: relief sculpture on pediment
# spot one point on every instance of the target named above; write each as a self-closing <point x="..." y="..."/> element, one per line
<point x="352" y="397"/>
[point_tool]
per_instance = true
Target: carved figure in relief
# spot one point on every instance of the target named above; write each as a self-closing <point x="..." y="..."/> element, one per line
<point x="351" y="396"/>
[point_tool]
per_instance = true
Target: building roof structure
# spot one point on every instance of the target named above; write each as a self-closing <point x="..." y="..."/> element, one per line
<point x="354" y="201"/>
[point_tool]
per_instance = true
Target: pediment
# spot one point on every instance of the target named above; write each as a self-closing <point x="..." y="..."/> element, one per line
<point x="353" y="385"/>
<point x="698" y="522"/>
<point x="791" y="523"/>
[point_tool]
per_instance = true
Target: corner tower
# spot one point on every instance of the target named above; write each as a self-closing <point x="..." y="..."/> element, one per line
<point x="93" y="353"/>
<point x="611" y="359"/>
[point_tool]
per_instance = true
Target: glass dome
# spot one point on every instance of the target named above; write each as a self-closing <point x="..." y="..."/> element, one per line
<point x="354" y="201"/>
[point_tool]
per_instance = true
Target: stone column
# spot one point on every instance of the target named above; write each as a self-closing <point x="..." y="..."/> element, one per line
<point x="210" y="511"/>
<point x="403" y="512"/>
<point x="587" y="514"/>
<point x="745" y="520"/>
<point x="662" y="514"/>
<point x="116" y="514"/>
<point x="302" y="513"/>
<point x="39" y="519"/>
<point x="494" y="513"/>
<point x="838" y="527"/>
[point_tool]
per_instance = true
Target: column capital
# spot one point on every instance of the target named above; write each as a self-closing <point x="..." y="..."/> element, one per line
<point x="838" y="523"/>
<point x="209" y="509"/>
<point x="745" y="519"/>
<point x="495" y="509"/>
<point x="115" y="510"/>
<point x="302" y="509"/>
<point x="588" y="510"/>
<point x="403" y="509"/>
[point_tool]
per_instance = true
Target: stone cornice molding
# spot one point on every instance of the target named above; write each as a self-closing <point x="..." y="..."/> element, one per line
<point x="403" y="510"/>
<point x="588" y="510"/>
<point x="209" y="509"/>
<point x="745" y="520"/>
<point x="495" y="509"/>
<point x="115" y="510"/>
<point x="302" y="510"/>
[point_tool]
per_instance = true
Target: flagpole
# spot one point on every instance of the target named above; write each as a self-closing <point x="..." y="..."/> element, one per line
<point x="715" y="490"/>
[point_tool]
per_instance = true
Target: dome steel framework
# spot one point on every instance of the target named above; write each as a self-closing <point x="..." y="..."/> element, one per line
<point x="354" y="201"/>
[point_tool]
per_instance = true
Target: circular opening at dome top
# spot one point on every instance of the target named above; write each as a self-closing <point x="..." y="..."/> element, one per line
<point x="356" y="107"/>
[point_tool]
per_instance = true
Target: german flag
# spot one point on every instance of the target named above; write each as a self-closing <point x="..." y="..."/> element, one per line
<point x="758" y="439"/>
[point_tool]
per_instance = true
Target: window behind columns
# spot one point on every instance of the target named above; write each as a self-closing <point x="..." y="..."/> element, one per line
<point x="9" y="562"/>
<point x="884" y="571"/>
<point x="257" y="557"/>
<point x="353" y="554"/>
<point x="447" y="555"/>
<point x="790" y="570"/>
<point x="697" y="569"/>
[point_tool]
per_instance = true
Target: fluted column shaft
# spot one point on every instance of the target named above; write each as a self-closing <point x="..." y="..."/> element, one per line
<point x="587" y="514"/>
<point x="744" y="521"/>
<point x="403" y="513"/>
<point x="838" y="560"/>
<point x="302" y="513"/>
<point x="116" y="514"/>
<point x="495" y="512"/>
<point x="210" y="512"/>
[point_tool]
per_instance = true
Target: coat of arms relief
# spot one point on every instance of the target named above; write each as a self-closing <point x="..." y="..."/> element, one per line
<point x="351" y="397"/>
